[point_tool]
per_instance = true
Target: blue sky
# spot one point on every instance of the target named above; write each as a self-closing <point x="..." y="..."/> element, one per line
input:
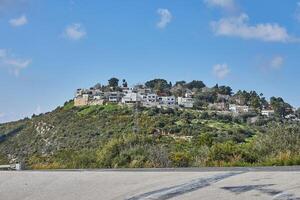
<point x="50" y="48"/>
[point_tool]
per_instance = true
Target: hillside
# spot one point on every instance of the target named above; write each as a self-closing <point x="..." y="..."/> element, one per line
<point x="111" y="136"/>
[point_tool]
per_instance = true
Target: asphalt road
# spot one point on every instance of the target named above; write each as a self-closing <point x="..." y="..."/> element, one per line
<point x="179" y="184"/>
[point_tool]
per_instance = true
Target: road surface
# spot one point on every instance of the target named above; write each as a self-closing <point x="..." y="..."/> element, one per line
<point x="191" y="184"/>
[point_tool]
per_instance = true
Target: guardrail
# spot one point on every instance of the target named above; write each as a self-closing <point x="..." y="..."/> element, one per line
<point x="11" y="167"/>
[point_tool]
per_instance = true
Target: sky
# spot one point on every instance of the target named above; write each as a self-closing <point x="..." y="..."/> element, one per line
<point x="48" y="49"/>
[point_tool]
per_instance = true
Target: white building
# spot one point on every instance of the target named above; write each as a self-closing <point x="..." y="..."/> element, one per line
<point x="97" y="97"/>
<point x="267" y="113"/>
<point x="238" y="109"/>
<point x="168" y="101"/>
<point x="291" y="116"/>
<point x="132" y="98"/>
<point x="114" y="97"/>
<point x="185" y="102"/>
<point x="150" y="97"/>
<point x="78" y="92"/>
<point x="127" y="90"/>
<point x="143" y="91"/>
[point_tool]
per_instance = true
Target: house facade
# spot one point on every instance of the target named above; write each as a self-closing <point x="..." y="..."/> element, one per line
<point x="238" y="109"/>
<point x="167" y="101"/>
<point x="267" y="113"/>
<point x="186" y="102"/>
<point x="114" y="97"/>
<point x="132" y="98"/>
<point x="82" y="100"/>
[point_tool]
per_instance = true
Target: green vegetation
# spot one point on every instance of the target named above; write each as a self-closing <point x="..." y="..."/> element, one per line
<point x="111" y="136"/>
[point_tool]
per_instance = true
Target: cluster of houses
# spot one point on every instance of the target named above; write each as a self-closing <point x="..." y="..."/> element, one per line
<point x="147" y="98"/>
<point x="131" y="96"/>
<point x="238" y="109"/>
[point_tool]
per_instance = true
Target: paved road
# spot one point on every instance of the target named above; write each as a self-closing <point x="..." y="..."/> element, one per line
<point x="191" y="184"/>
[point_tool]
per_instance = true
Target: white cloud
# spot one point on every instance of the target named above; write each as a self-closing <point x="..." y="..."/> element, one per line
<point x="165" y="17"/>
<point x="227" y="4"/>
<point x="239" y="27"/>
<point x="221" y="71"/>
<point x="276" y="62"/>
<point x="14" y="65"/>
<point x="271" y="64"/>
<point x="22" y="20"/>
<point x="74" y="32"/>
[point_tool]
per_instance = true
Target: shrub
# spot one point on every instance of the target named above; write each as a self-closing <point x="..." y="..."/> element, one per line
<point x="224" y="153"/>
<point x="180" y="159"/>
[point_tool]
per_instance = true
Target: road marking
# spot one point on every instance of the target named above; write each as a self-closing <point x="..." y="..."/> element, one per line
<point x="285" y="196"/>
<point x="170" y="192"/>
<point x="264" y="189"/>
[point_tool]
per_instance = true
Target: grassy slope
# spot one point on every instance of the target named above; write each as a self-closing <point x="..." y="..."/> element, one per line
<point x="105" y="136"/>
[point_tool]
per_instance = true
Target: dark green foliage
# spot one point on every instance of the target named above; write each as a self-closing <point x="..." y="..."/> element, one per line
<point x="124" y="83"/>
<point x="113" y="82"/>
<point x="195" y="85"/>
<point x="159" y="85"/>
<point x="224" y="90"/>
<point x="280" y="107"/>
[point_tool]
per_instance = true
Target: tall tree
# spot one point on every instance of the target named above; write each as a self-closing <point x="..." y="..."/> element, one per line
<point x="124" y="83"/>
<point x="182" y="83"/>
<point x="159" y="85"/>
<point x="280" y="107"/>
<point x="195" y="85"/>
<point x="224" y="90"/>
<point x="113" y="82"/>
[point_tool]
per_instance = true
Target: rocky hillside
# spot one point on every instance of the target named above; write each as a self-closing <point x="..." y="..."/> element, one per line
<point x="111" y="136"/>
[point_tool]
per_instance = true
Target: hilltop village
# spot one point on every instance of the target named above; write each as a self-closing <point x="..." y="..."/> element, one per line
<point x="156" y="124"/>
<point x="193" y="95"/>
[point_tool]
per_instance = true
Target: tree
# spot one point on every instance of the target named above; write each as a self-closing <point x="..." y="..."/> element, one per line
<point x="124" y="83"/>
<point x="97" y="86"/>
<point x="195" y="84"/>
<point x="178" y="90"/>
<point x="264" y="102"/>
<point x="204" y="98"/>
<point x="159" y="85"/>
<point x="224" y="90"/>
<point x="255" y="100"/>
<point x="280" y="107"/>
<point x="113" y="82"/>
<point x="182" y="83"/>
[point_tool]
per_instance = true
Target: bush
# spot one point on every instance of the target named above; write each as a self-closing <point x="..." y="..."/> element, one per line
<point x="106" y="155"/>
<point x="227" y="152"/>
<point x="159" y="156"/>
<point x="180" y="159"/>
